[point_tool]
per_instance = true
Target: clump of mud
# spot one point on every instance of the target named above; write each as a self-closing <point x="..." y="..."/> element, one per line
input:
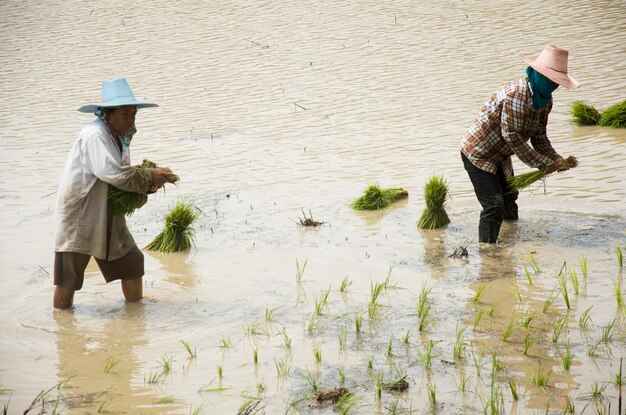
<point x="328" y="396"/>
<point x="400" y="385"/>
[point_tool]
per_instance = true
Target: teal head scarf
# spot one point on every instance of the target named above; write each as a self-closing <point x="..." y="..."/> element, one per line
<point x="542" y="88"/>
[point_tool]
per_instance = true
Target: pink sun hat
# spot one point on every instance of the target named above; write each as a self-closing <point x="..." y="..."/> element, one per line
<point x="552" y="63"/>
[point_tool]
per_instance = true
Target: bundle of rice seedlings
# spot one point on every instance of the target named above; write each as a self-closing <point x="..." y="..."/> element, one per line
<point x="435" y="194"/>
<point x="375" y="198"/>
<point x="125" y="203"/>
<point x="521" y="181"/>
<point x="584" y="114"/>
<point x="614" y="116"/>
<point x="178" y="235"/>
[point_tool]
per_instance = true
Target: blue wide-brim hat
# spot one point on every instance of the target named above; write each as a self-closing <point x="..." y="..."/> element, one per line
<point x="115" y="93"/>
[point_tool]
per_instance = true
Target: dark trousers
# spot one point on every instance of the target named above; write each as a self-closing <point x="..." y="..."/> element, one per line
<point x="495" y="197"/>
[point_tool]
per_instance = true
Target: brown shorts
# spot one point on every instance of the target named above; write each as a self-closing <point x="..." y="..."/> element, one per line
<point x="69" y="268"/>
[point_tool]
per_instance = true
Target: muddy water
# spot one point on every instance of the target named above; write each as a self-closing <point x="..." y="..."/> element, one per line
<point x="269" y="108"/>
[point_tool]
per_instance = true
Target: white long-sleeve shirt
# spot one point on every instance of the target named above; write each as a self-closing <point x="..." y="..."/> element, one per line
<point x="94" y="162"/>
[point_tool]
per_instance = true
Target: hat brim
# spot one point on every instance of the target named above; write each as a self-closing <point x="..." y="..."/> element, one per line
<point x="91" y="108"/>
<point x="562" y="79"/>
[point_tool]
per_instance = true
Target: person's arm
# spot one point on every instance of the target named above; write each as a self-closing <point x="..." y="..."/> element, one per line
<point x="101" y="163"/>
<point x="512" y="121"/>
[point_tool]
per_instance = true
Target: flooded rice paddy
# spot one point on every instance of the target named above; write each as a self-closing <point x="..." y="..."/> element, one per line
<point x="271" y="108"/>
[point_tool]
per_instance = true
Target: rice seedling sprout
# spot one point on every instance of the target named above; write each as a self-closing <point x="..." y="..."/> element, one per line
<point x="618" y="253"/>
<point x="432" y="394"/>
<point x="529" y="341"/>
<point x="540" y="378"/>
<point x="110" y="364"/>
<point x="311" y="380"/>
<point x="582" y="262"/>
<point x="343" y="335"/>
<point x="548" y="302"/>
<point x="345" y="284"/>
<point x="435" y="194"/>
<point x="559" y="327"/>
<point x="479" y="293"/>
<point x="300" y="270"/>
<point x="608" y="332"/>
<point x="358" y="322"/>
<point x="513" y="388"/>
<point x="191" y="351"/>
<point x="317" y="352"/>
<point x="220" y="371"/>
<point x="574" y="279"/>
<point x="528" y="317"/>
<point x="510" y="328"/>
<point x="459" y="343"/>
<point x="478" y="318"/>
<point x="379" y="385"/>
<point x="563" y="287"/>
<point x="585" y="318"/>
<point x="566" y="359"/>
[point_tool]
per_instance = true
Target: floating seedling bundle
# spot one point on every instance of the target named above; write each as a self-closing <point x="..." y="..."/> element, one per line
<point x="521" y="181"/>
<point x="584" y="114"/>
<point x="375" y="198"/>
<point x="125" y="203"/>
<point x="435" y="194"/>
<point x="178" y="234"/>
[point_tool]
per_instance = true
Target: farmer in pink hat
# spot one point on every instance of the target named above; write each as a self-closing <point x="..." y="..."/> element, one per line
<point x="513" y="121"/>
<point x="85" y="224"/>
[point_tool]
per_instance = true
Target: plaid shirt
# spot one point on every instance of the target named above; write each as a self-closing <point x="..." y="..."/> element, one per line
<point x="503" y="128"/>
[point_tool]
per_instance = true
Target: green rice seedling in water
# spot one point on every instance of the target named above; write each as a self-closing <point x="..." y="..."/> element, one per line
<point x="540" y="378"/>
<point x="427" y="356"/>
<point x="300" y="270"/>
<point x="607" y="332"/>
<point x="110" y="364"/>
<point x="528" y="317"/>
<point x="563" y="288"/>
<point x="618" y="379"/>
<point x="422" y="302"/>
<point x="375" y="198"/>
<point x="529" y="341"/>
<point x="310" y="325"/>
<point x="549" y="301"/>
<point x="220" y="371"/>
<point x="153" y="377"/>
<point x="479" y="361"/>
<point x="529" y="277"/>
<point x="513" y="388"/>
<point x="208" y="388"/>
<point x="478" y="318"/>
<point x="393" y="409"/>
<point x="479" y="293"/>
<point x="165" y="400"/>
<point x="533" y="263"/>
<point x="435" y="195"/>
<point x="584" y="114"/>
<point x="597" y="391"/>
<point x="464" y="382"/>
<point x="566" y="359"/>
<point x="324" y="295"/>
<point x="614" y="116"/>
<point x="358" y="322"/>
<point x="585" y="318"/>
<point x="379" y="385"/>
<point x="582" y="262"/>
<point x="346" y="402"/>
<point x="405" y="339"/>
<point x="342" y="376"/>
<point x="619" y="298"/>
<point x="389" y="352"/>
<point x="618" y="253"/>
<point x="178" y="234"/>
<point x="432" y="395"/>
<point x="370" y="362"/>
<point x="559" y="326"/>
<point x="197" y="411"/>
<point x="497" y="364"/>
<point x="268" y="313"/>
<point x="573" y="277"/>
<point x="510" y="328"/>
<point x="311" y="380"/>
<point x="319" y="304"/>
<point x="225" y="341"/>
<point x="424" y="319"/>
<point x="190" y="351"/>
<point x="317" y="352"/>
<point x="491" y="310"/>
<point x="255" y="355"/>
<point x="343" y="336"/>
<point x="166" y="364"/>
<point x="375" y="290"/>
<point x="345" y="284"/>
<point x="517" y="296"/>
<point x="593" y="349"/>
<point x="570" y="408"/>
<point x="283" y="367"/>
<point x="459" y="342"/>
<point x="285" y="337"/>
<point x="104" y="405"/>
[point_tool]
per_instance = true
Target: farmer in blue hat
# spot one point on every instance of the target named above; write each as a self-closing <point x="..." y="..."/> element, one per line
<point x="85" y="224"/>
